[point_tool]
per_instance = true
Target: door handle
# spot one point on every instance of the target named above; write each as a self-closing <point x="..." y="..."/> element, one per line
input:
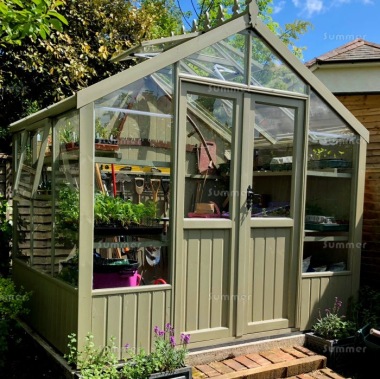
<point x="250" y="195"/>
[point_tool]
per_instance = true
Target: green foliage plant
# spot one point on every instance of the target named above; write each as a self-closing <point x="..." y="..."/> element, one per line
<point x="366" y="308"/>
<point x="107" y="209"/>
<point x="166" y="357"/>
<point x="29" y="18"/>
<point x="5" y="235"/>
<point x="68" y="133"/>
<point x="101" y="362"/>
<point x="67" y="215"/>
<point x="5" y="222"/>
<point x="93" y="362"/>
<point x="13" y="303"/>
<point x="333" y="325"/>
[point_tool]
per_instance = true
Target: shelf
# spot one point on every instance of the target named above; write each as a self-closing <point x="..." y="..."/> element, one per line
<point x="325" y="238"/>
<point x="131" y="244"/>
<point x="132" y="162"/>
<point x="307" y="275"/>
<point x="272" y="173"/>
<point x="199" y="176"/>
<point x="329" y="173"/>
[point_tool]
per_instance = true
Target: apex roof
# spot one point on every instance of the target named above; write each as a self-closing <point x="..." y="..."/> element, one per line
<point x="356" y="51"/>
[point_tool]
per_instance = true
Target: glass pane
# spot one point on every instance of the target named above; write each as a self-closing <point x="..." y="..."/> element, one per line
<point x="138" y="115"/>
<point x="331" y="141"/>
<point x="33" y="199"/>
<point x="225" y="60"/>
<point x="268" y="70"/>
<point x="273" y="160"/>
<point x="132" y="195"/>
<point x="66" y="173"/>
<point x="210" y="120"/>
<point x="67" y="127"/>
<point x="22" y="199"/>
<point x="329" y="183"/>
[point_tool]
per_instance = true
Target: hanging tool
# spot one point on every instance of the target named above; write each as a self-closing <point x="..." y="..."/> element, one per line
<point x="165" y="185"/>
<point x="155" y="185"/>
<point x="98" y="177"/>
<point x="122" y="177"/>
<point x="113" y="180"/>
<point x="139" y="188"/>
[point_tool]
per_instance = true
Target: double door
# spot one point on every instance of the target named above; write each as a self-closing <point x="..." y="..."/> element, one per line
<point x="237" y="264"/>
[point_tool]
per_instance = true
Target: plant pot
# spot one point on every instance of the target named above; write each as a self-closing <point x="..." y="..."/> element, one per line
<point x="328" y="163"/>
<point x="111" y="273"/>
<point x="130" y="230"/>
<point x="180" y="373"/>
<point x="106" y="145"/>
<point x="339" y="352"/>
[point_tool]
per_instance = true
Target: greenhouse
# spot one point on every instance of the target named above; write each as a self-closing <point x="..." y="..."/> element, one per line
<point x="216" y="185"/>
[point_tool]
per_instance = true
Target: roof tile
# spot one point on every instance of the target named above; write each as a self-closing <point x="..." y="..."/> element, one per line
<point x="356" y="50"/>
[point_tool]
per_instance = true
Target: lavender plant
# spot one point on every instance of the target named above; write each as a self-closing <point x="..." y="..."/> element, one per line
<point x="333" y="325"/>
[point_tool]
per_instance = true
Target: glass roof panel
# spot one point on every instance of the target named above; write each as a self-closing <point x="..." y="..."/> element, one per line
<point x="223" y="60"/>
<point x="329" y="135"/>
<point x="268" y="70"/>
<point x="325" y="125"/>
<point x="137" y="103"/>
<point x="149" y="49"/>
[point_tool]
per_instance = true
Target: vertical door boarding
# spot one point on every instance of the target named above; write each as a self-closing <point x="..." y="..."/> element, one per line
<point x="269" y="230"/>
<point x="236" y="266"/>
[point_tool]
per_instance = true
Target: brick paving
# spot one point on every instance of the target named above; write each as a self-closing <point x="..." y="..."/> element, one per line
<point x="295" y="362"/>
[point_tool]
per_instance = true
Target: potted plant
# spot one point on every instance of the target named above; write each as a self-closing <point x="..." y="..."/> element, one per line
<point x="69" y="137"/>
<point x="113" y="216"/>
<point x="332" y="157"/>
<point x="166" y="361"/>
<point x="105" y="139"/>
<point x="332" y="335"/>
<point x="116" y="216"/>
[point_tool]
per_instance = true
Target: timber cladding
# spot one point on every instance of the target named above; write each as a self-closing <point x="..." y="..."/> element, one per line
<point x="366" y="108"/>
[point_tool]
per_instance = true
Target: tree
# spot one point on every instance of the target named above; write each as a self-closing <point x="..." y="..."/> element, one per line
<point x="289" y="34"/>
<point x="29" y="18"/>
<point x="43" y="71"/>
<point x="78" y="55"/>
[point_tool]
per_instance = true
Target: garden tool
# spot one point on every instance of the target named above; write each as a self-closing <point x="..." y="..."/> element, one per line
<point x="122" y="177"/>
<point x="152" y="255"/>
<point x="113" y="180"/>
<point x="98" y="177"/>
<point x="139" y="188"/>
<point x="165" y="185"/>
<point x="155" y="184"/>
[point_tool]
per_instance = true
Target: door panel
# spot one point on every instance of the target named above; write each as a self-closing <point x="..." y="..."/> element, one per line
<point x="269" y="258"/>
<point x="237" y="267"/>
<point x="268" y="261"/>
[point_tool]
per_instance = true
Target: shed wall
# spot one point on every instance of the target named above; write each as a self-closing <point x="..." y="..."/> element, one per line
<point x="366" y="108"/>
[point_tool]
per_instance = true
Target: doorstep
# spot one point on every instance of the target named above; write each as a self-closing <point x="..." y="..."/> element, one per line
<point x="267" y="358"/>
<point x="276" y="363"/>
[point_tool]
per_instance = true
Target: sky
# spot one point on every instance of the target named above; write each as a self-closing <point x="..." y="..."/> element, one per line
<point x="335" y="22"/>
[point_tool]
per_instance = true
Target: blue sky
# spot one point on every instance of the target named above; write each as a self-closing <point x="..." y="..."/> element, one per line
<point x="336" y="22"/>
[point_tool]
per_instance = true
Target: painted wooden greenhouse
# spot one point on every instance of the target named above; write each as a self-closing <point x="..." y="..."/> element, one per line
<point x="216" y="185"/>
